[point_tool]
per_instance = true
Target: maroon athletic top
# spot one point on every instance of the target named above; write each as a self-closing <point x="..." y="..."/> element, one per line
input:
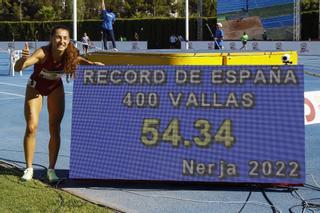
<point x="46" y="77"/>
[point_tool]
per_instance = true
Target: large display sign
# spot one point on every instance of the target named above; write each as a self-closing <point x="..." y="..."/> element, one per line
<point x="189" y="123"/>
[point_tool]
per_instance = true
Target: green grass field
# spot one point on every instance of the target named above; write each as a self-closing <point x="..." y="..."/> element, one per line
<point x="35" y="196"/>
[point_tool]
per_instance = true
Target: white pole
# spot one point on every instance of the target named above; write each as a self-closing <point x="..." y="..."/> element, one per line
<point x="199" y="20"/>
<point x="187" y="24"/>
<point x="297" y="19"/>
<point x="75" y="30"/>
<point x="20" y="13"/>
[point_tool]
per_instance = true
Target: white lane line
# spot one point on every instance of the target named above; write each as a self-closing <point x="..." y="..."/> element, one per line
<point x="13" y="94"/>
<point x="17" y="85"/>
<point x="14" y="85"/>
<point x="7" y="99"/>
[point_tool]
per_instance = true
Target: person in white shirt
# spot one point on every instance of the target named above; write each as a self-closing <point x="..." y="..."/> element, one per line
<point x="85" y="43"/>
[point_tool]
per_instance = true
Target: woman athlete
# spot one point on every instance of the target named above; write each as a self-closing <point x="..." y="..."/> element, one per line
<point x="50" y="62"/>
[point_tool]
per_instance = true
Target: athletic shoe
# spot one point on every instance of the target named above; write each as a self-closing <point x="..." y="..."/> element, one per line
<point x="51" y="175"/>
<point x="115" y="50"/>
<point x="28" y="174"/>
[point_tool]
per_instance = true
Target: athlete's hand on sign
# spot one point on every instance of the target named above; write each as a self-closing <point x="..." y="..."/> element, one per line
<point x="26" y="51"/>
<point x="98" y="63"/>
<point x="84" y="61"/>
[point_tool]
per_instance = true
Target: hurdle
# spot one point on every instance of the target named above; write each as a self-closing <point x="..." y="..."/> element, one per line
<point x="14" y="55"/>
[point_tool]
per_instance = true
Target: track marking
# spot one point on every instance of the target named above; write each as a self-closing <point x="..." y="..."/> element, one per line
<point x="13" y="94"/>
<point x="14" y="85"/>
<point x="8" y="99"/>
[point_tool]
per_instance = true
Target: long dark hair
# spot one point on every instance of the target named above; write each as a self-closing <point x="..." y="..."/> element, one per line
<point x="70" y="56"/>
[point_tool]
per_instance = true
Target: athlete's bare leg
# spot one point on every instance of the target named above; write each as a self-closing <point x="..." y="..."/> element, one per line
<point x="56" y="104"/>
<point x="32" y="109"/>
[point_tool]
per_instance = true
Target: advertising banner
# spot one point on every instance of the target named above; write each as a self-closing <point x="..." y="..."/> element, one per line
<point x="260" y="19"/>
<point x="312" y="107"/>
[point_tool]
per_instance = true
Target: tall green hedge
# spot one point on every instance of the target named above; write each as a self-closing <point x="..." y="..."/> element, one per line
<point x="310" y="26"/>
<point x="27" y="30"/>
<point x="156" y="31"/>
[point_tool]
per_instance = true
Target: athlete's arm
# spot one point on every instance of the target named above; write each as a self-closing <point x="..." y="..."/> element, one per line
<point x="26" y="60"/>
<point x="103" y="7"/>
<point x="84" y="61"/>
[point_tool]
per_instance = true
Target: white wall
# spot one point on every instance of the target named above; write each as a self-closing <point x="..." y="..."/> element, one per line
<point x="303" y="47"/>
<point x="121" y="45"/>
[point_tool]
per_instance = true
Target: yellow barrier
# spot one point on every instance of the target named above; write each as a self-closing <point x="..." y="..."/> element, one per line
<point x="234" y="58"/>
<point x="261" y="58"/>
<point x="123" y="58"/>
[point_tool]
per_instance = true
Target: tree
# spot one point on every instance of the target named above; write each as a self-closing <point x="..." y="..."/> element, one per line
<point x="10" y="10"/>
<point x="30" y="8"/>
<point x="90" y="9"/>
<point x="309" y="5"/>
<point x="208" y="10"/>
<point x="5" y="11"/>
<point x="69" y="9"/>
<point x="46" y="13"/>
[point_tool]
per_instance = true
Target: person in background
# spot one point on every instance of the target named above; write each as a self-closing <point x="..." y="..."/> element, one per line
<point x="180" y="40"/>
<point x="218" y="37"/>
<point x="51" y="63"/>
<point x="123" y="38"/>
<point x="244" y="39"/>
<point x="173" y="39"/>
<point x="85" y="43"/>
<point x="264" y="36"/>
<point x="107" y="26"/>
<point x="136" y="36"/>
